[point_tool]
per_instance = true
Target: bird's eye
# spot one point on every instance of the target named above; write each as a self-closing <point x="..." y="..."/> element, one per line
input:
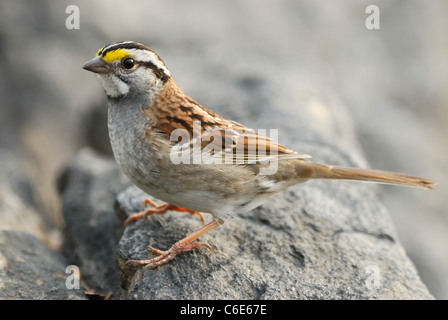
<point x="128" y="63"/>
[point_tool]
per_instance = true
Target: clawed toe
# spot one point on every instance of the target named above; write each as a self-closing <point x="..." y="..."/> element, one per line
<point x="168" y="255"/>
<point x="186" y="244"/>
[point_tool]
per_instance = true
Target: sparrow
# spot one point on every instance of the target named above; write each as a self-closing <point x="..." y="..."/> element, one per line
<point x="190" y="157"/>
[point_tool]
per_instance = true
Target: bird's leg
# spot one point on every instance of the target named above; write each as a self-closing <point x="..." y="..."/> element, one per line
<point x="161" y="209"/>
<point x="186" y="244"/>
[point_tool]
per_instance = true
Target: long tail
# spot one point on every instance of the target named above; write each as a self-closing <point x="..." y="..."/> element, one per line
<point x="320" y="171"/>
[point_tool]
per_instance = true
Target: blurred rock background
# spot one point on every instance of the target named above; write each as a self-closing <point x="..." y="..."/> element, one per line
<point x="392" y="81"/>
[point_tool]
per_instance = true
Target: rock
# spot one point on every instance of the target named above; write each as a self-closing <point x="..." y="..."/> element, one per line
<point x="320" y="241"/>
<point x="88" y="187"/>
<point x="31" y="270"/>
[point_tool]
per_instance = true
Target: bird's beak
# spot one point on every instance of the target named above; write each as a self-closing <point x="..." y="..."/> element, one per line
<point x="96" y="65"/>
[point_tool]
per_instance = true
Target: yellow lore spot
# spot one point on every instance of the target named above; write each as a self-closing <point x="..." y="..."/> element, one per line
<point x="114" y="55"/>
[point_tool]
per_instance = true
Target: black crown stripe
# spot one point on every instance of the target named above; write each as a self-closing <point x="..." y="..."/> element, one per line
<point x="159" y="72"/>
<point x="123" y="45"/>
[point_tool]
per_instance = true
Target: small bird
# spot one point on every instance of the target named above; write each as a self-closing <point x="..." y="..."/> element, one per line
<point x="151" y="121"/>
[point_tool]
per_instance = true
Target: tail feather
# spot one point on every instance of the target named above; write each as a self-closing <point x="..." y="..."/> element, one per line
<point x="348" y="173"/>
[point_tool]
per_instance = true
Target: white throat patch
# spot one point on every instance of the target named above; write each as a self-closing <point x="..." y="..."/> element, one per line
<point x="113" y="86"/>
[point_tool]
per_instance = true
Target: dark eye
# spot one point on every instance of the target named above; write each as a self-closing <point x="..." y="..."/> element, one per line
<point x="128" y="63"/>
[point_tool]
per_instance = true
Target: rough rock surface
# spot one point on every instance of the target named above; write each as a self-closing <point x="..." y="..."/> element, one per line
<point x="29" y="269"/>
<point x="319" y="240"/>
<point x="88" y="188"/>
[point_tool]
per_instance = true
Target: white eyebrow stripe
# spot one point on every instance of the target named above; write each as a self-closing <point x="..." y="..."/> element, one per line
<point x="148" y="56"/>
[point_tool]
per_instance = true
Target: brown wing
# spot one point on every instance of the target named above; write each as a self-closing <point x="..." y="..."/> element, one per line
<point x="174" y="112"/>
<point x="244" y="145"/>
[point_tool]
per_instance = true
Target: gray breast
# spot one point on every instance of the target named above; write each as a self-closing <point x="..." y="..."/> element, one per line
<point x="127" y="128"/>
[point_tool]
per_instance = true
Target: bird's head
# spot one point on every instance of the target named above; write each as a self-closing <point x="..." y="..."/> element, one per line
<point x="128" y="67"/>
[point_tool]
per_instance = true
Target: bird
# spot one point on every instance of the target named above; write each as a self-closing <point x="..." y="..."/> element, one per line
<point x="196" y="161"/>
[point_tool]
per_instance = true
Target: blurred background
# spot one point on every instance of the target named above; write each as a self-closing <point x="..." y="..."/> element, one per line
<point x="392" y="82"/>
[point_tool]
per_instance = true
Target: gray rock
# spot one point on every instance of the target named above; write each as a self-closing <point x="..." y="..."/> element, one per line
<point x="30" y="270"/>
<point x="88" y="187"/>
<point x="316" y="241"/>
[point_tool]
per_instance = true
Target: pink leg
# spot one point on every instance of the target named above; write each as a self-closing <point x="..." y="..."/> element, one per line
<point x="161" y="209"/>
